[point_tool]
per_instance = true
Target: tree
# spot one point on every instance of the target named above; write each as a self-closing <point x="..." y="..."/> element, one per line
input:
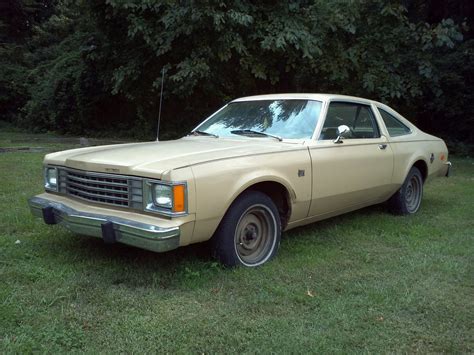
<point x="16" y="22"/>
<point x="97" y="64"/>
<point x="220" y="50"/>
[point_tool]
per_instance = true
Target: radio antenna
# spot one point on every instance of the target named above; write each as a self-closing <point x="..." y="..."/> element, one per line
<point x="161" y="101"/>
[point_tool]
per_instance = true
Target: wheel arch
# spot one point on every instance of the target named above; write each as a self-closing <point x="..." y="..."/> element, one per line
<point x="279" y="191"/>
<point x="421" y="165"/>
<point x="417" y="161"/>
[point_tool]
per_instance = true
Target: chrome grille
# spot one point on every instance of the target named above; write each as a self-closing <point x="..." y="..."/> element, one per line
<point x="109" y="189"/>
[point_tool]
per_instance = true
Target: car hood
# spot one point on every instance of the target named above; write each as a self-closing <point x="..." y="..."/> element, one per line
<point x="152" y="159"/>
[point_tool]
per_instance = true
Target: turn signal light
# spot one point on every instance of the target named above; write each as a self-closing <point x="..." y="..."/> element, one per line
<point x="178" y="198"/>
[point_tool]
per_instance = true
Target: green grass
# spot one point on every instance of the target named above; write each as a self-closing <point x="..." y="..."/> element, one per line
<point x="364" y="282"/>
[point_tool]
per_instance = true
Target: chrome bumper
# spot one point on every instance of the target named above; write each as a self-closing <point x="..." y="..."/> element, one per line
<point x="448" y="172"/>
<point x="110" y="228"/>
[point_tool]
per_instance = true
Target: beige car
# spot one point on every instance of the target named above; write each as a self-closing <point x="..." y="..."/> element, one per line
<point x="258" y="166"/>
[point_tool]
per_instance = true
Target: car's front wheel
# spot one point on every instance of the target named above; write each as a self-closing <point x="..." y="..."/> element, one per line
<point x="249" y="233"/>
<point x="407" y="199"/>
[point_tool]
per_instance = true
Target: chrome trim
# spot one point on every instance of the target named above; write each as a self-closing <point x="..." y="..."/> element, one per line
<point x="97" y="174"/>
<point x="138" y="234"/>
<point x="97" y="188"/>
<point x="76" y="178"/>
<point x="71" y="185"/>
<point x="105" y="197"/>
<point x="148" y="204"/>
<point x="76" y="185"/>
<point x="133" y="183"/>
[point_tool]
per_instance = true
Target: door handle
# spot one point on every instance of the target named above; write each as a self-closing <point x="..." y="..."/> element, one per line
<point x="382" y="146"/>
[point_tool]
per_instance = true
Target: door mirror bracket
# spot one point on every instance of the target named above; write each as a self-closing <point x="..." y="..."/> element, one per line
<point x="343" y="131"/>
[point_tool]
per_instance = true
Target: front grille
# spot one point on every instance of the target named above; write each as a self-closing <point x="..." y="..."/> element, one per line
<point x="109" y="189"/>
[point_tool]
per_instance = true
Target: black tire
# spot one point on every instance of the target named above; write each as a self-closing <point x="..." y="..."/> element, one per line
<point x="249" y="233"/>
<point x="407" y="200"/>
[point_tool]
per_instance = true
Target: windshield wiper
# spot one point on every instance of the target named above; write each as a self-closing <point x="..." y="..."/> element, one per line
<point x="250" y="132"/>
<point x="202" y="133"/>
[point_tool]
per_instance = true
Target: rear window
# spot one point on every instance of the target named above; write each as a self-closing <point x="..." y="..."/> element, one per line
<point x="394" y="126"/>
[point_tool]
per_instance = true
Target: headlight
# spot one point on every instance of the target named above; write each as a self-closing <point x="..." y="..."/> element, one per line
<point x="163" y="196"/>
<point x="167" y="198"/>
<point x="51" y="179"/>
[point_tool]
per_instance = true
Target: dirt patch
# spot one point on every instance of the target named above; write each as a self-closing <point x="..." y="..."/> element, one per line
<point x="28" y="143"/>
<point x="84" y="142"/>
<point x="23" y="149"/>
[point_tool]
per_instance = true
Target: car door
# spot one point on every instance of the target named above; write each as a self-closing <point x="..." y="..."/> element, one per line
<point x="354" y="172"/>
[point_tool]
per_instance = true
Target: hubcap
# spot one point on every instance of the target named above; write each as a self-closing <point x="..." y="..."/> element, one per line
<point x="255" y="235"/>
<point x="413" y="194"/>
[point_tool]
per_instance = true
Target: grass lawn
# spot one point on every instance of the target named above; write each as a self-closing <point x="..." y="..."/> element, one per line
<point x="363" y="282"/>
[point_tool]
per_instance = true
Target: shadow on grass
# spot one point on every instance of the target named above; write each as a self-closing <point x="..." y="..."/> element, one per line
<point x="120" y="265"/>
<point x="191" y="266"/>
<point x="95" y="248"/>
<point x="85" y="247"/>
<point x="320" y="229"/>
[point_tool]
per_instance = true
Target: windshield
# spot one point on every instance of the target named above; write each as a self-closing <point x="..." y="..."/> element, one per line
<point x="282" y="118"/>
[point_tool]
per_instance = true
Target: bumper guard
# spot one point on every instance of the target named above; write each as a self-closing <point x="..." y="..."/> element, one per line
<point x="448" y="171"/>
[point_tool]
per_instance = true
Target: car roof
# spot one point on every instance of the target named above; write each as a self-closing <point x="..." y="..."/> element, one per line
<point x="304" y="96"/>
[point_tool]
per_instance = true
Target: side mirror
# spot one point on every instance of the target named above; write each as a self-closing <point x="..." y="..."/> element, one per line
<point x="343" y="131"/>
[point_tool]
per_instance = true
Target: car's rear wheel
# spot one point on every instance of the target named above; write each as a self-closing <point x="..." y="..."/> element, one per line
<point x="407" y="199"/>
<point x="249" y="233"/>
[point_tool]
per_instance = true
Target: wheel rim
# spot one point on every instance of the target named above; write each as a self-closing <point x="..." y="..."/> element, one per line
<point x="413" y="193"/>
<point x="255" y="235"/>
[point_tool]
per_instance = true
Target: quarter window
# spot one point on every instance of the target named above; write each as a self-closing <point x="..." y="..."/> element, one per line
<point x="359" y="118"/>
<point x="394" y="126"/>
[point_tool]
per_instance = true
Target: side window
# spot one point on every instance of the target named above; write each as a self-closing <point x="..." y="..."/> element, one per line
<point x="359" y="118"/>
<point x="394" y="126"/>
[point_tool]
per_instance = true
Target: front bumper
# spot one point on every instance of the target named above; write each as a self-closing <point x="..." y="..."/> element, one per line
<point x="110" y="228"/>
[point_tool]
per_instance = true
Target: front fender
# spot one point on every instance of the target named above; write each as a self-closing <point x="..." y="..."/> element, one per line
<point x="255" y="178"/>
<point x="219" y="183"/>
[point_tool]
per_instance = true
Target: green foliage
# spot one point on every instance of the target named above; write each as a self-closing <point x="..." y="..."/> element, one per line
<point x="16" y="20"/>
<point x="13" y="90"/>
<point x="58" y="83"/>
<point x="97" y="65"/>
